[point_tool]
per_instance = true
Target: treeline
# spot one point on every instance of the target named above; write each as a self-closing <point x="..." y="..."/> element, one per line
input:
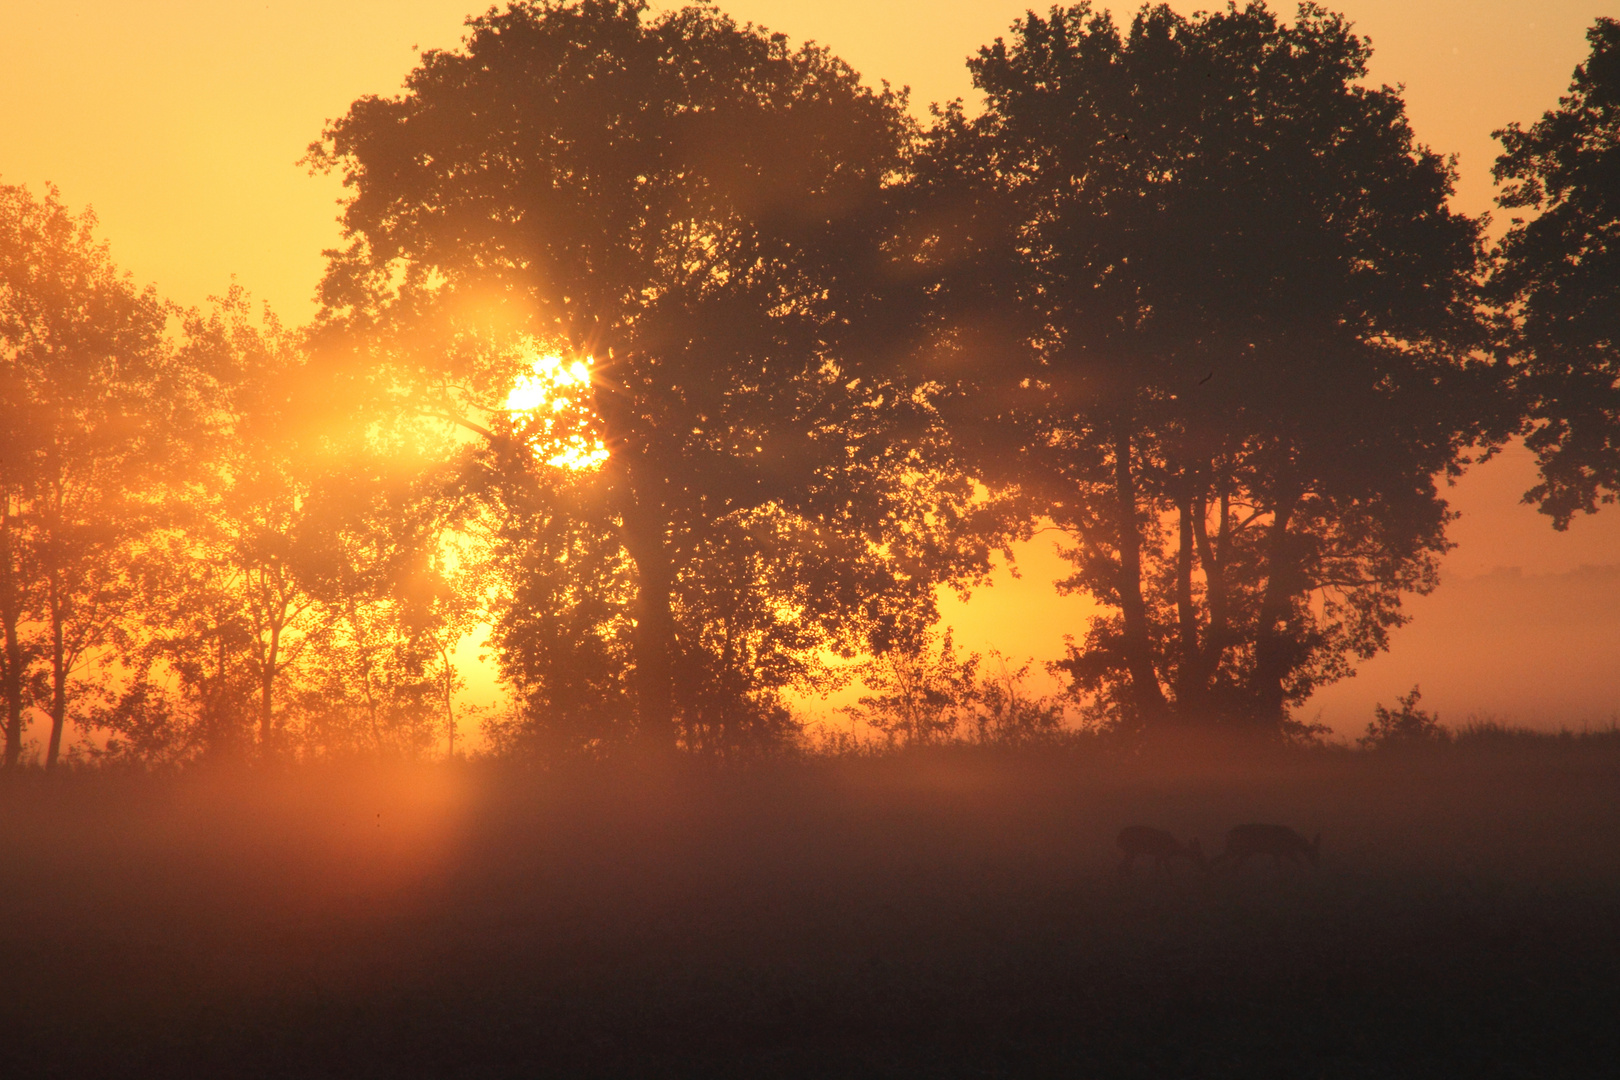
<point x="696" y="367"/>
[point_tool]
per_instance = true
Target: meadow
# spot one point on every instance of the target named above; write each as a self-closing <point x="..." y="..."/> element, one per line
<point x="953" y="912"/>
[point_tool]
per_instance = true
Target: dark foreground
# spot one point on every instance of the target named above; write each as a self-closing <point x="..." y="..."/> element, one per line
<point x="954" y="914"/>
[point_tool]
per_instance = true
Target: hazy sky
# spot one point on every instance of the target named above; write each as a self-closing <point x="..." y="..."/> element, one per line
<point x="181" y="122"/>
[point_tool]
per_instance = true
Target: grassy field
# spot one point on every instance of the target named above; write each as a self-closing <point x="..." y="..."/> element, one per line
<point x="950" y="913"/>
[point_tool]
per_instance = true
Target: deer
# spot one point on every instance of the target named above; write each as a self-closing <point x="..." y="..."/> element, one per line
<point x="1137" y="840"/>
<point x="1278" y="841"/>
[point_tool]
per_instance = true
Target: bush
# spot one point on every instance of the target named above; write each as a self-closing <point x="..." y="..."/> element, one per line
<point x="928" y="694"/>
<point x="1409" y="726"/>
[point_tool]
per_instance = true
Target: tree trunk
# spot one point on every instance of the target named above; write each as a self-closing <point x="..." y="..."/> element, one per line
<point x="1146" y="694"/>
<point x="267" y="685"/>
<point x="10" y="616"/>
<point x="645" y="526"/>
<point x="1212" y="556"/>
<point x="654" y="640"/>
<point x="1273" y="652"/>
<point x="219" y="724"/>
<point x="449" y="702"/>
<point x="58" y="675"/>
<point x="1189" y="696"/>
<point x="13" y="686"/>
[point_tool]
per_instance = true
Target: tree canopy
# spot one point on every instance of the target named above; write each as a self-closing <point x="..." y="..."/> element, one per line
<point x="694" y="367"/>
<point x="1208" y="307"/>
<point x="1557" y="279"/>
<point x="90" y="409"/>
<point x="698" y="212"/>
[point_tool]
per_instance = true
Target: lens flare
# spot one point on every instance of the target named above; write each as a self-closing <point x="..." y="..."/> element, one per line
<point x="549" y="405"/>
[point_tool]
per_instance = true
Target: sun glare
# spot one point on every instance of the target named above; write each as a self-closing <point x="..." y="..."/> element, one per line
<point x="550" y="402"/>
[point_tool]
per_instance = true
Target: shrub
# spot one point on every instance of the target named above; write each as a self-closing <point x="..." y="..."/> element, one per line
<point x="1408" y="726"/>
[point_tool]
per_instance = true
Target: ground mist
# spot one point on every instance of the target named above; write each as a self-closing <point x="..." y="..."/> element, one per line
<point x="952" y="912"/>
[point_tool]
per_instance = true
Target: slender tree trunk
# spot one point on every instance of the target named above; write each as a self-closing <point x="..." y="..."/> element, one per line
<point x="1146" y="693"/>
<point x="363" y="647"/>
<point x="10" y="616"/>
<point x="58" y="672"/>
<point x="655" y="630"/>
<point x="449" y="705"/>
<point x="653" y="643"/>
<point x="267" y="686"/>
<point x="215" y="703"/>
<point x="1212" y="557"/>
<point x="13" y="685"/>
<point x="371" y="707"/>
<point x="1273" y="651"/>
<point x="1189" y="695"/>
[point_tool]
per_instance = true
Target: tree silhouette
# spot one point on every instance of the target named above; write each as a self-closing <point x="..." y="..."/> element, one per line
<point x="1558" y="279"/>
<point x="701" y="211"/>
<point x="1204" y="303"/>
<point x="674" y="348"/>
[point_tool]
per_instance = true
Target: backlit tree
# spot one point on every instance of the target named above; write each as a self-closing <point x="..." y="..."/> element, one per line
<point x="683" y="221"/>
<point x="1204" y="303"/>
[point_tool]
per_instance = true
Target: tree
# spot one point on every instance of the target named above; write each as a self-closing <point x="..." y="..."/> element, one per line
<point x="1205" y="305"/>
<point x="699" y="211"/>
<point x="1557" y="281"/>
<point x="92" y="410"/>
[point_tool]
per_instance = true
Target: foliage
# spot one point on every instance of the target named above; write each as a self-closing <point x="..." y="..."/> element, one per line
<point x="696" y="369"/>
<point x="92" y="412"/>
<point x="564" y="618"/>
<point x="927" y="693"/>
<point x="1203" y="304"/>
<point x="188" y="574"/>
<point x="1408" y="726"/>
<point x="1557" y="278"/>
<point x="699" y="211"/>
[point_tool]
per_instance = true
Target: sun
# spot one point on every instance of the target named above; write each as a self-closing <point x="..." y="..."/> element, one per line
<point x="549" y="405"/>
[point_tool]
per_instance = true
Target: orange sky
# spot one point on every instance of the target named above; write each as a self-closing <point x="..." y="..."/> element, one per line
<point x="181" y="122"/>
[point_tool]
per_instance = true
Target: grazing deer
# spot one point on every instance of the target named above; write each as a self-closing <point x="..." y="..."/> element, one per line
<point x="1278" y="841"/>
<point x="1137" y="840"/>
